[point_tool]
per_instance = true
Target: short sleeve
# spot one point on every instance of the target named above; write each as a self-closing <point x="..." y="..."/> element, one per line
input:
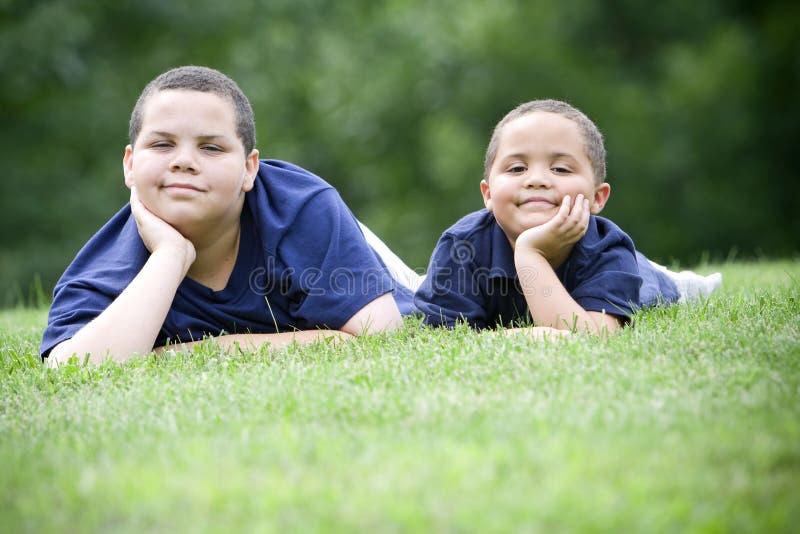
<point x="75" y="304"/>
<point x="603" y="275"/>
<point x="612" y="292"/>
<point x="449" y="293"/>
<point x="334" y="272"/>
<point x="99" y="273"/>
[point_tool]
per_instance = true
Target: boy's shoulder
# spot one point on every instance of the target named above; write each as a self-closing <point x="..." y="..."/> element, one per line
<point x="603" y="239"/>
<point x="283" y="190"/>
<point x="606" y="226"/>
<point x="603" y="233"/>
<point x="277" y="175"/>
<point x="472" y="226"/>
<point x="476" y="239"/>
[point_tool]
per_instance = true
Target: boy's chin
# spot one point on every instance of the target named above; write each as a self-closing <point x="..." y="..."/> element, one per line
<point x="514" y="234"/>
<point x="531" y="223"/>
<point x="183" y="223"/>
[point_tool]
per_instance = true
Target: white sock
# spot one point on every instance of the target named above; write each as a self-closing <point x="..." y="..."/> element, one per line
<point x="691" y="285"/>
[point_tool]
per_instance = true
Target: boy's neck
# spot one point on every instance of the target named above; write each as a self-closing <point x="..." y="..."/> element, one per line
<point x="216" y="260"/>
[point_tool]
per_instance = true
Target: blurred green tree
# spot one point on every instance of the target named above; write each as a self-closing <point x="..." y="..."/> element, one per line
<point x="393" y="103"/>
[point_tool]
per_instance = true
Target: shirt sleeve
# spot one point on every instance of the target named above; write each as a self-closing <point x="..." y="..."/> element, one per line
<point x="335" y="273"/>
<point x="75" y="304"/>
<point x="603" y="275"/>
<point x="449" y="293"/>
<point x="99" y="273"/>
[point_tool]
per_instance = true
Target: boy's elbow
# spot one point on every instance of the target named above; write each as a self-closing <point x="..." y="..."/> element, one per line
<point x="602" y="323"/>
<point x="380" y="315"/>
<point x="373" y="324"/>
<point x="61" y="354"/>
<point x="58" y="354"/>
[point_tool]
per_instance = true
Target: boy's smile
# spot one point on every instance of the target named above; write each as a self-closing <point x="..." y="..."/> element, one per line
<point x="183" y="189"/>
<point x="536" y="203"/>
<point x="541" y="159"/>
<point x="188" y="164"/>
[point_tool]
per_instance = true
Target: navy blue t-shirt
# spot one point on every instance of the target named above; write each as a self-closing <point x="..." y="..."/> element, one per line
<point x="303" y="263"/>
<point x="472" y="276"/>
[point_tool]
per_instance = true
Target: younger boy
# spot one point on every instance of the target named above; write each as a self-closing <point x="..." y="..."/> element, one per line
<point x="216" y="242"/>
<point x="539" y="247"/>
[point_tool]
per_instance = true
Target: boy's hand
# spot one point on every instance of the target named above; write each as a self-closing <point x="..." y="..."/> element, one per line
<point x="538" y="332"/>
<point x="554" y="239"/>
<point x="158" y="234"/>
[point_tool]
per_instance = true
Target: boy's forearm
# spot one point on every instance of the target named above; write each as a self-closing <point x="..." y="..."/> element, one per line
<point x="131" y="323"/>
<point x="537" y="332"/>
<point x="548" y="300"/>
<point x="256" y="341"/>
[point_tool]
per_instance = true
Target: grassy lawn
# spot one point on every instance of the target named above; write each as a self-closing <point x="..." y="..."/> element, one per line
<point x="690" y="421"/>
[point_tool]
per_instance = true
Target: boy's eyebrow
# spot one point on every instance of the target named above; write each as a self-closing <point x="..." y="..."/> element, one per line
<point x="205" y="137"/>
<point x="523" y="155"/>
<point x="516" y="155"/>
<point x="563" y="155"/>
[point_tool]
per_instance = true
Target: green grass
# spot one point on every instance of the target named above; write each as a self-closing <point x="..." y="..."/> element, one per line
<point x="688" y="422"/>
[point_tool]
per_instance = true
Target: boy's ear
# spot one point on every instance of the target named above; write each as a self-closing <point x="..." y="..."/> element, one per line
<point x="127" y="166"/>
<point x="250" y="170"/>
<point x="601" y="194"/>
<point x="487" y="195"/>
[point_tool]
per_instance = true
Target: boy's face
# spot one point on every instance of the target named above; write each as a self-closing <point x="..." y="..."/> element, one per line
<point x="540" y="159"/>
<point x="188" y="164"/>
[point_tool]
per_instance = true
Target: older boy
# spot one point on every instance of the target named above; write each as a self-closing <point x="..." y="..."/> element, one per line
<point x="539" y="247"/>
<point x="216" y="242"/>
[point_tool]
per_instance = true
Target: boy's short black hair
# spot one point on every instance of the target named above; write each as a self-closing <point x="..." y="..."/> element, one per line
<point x="206" y="80"/>
<point x="592" y="138"/>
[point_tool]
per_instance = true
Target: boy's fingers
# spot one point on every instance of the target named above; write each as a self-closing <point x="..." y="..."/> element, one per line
<point x="580" y="206"/>
<point x="566" y="205"/>
<point x="575" y="210"/>
<point x="586" y="213"/>
<point x="573" y="220"/>
<point x="585" y="209"/>
<point x="136" y="205"/>
<point x="134" y="195"/>
<point x="575" y="214"/>
<point x="564" y="210"/>
<point x="138" y="208"/>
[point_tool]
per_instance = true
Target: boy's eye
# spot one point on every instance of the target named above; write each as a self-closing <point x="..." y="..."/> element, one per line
<point x="516" y="169"/>
<point x="560" y="170"/>
<point x="161" y="144"/>
<point x="211" y="148"/>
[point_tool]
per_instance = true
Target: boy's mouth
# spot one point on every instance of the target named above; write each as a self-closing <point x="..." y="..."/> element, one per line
<point x="536" y="202"/>
<point x="182" y="186"/>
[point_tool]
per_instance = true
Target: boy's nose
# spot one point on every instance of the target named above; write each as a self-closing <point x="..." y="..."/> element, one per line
<point x="537" y="178"/>
<point x="183" y="161"/>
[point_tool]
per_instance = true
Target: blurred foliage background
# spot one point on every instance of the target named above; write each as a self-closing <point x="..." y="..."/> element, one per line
<point x="393" y="103"/>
